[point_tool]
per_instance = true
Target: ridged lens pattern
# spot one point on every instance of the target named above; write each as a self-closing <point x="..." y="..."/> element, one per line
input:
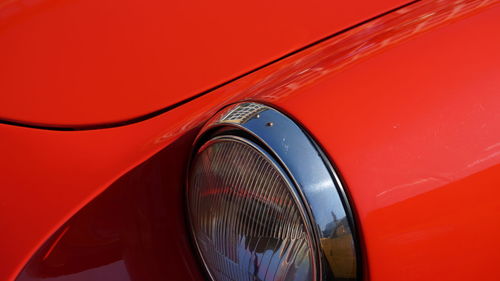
<point x="245" y="220"/>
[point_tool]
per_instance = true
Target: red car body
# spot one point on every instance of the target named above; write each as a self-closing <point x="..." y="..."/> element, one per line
<point x="101" y="101"/>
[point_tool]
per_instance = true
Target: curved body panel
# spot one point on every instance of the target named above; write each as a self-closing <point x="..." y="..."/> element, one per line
<point x="415" y="134"/>
<point x="79" y="62"/>
<point x="412" y="126"/>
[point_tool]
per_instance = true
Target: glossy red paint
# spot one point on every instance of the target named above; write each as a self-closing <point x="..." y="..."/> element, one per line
<point x="415" y="134"/>
<point x="132" y="231"/>
<point x="50" y="175"/>
<point x="86" y="62"/>
<point x="413" y="130"/>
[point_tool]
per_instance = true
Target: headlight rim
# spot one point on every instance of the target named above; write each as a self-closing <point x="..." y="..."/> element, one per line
<point x="219" y="125"/>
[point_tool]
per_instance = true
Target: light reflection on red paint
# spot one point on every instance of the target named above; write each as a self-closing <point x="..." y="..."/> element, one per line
<point x="54" y="244"/>
<point x="335" y="54"/>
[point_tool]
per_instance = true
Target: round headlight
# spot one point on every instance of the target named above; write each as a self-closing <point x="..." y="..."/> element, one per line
<point x="247" y="220"/>
<point x="264" y="203"/>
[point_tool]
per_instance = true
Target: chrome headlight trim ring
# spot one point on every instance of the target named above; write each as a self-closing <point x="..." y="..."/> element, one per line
<point x="313" y="176"/>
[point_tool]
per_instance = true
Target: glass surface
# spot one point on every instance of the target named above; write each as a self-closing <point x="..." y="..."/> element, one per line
<point x="245" y="219"/>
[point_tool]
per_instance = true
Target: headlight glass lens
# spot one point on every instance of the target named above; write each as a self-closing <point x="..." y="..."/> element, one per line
<point x="246" y="218"/>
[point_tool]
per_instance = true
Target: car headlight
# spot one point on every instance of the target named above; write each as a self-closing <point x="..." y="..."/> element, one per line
<point x="263" y="202"/>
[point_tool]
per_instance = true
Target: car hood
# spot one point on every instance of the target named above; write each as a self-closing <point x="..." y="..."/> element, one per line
<point x="89" y="62"/>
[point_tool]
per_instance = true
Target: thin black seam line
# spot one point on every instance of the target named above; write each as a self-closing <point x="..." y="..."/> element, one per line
<point x="175" y="105"/>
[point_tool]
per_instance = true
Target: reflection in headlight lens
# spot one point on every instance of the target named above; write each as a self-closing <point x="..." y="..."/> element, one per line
<point x="246" y="219"/>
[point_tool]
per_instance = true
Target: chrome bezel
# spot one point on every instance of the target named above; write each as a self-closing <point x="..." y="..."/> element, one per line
<point x="314" y="179"/>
